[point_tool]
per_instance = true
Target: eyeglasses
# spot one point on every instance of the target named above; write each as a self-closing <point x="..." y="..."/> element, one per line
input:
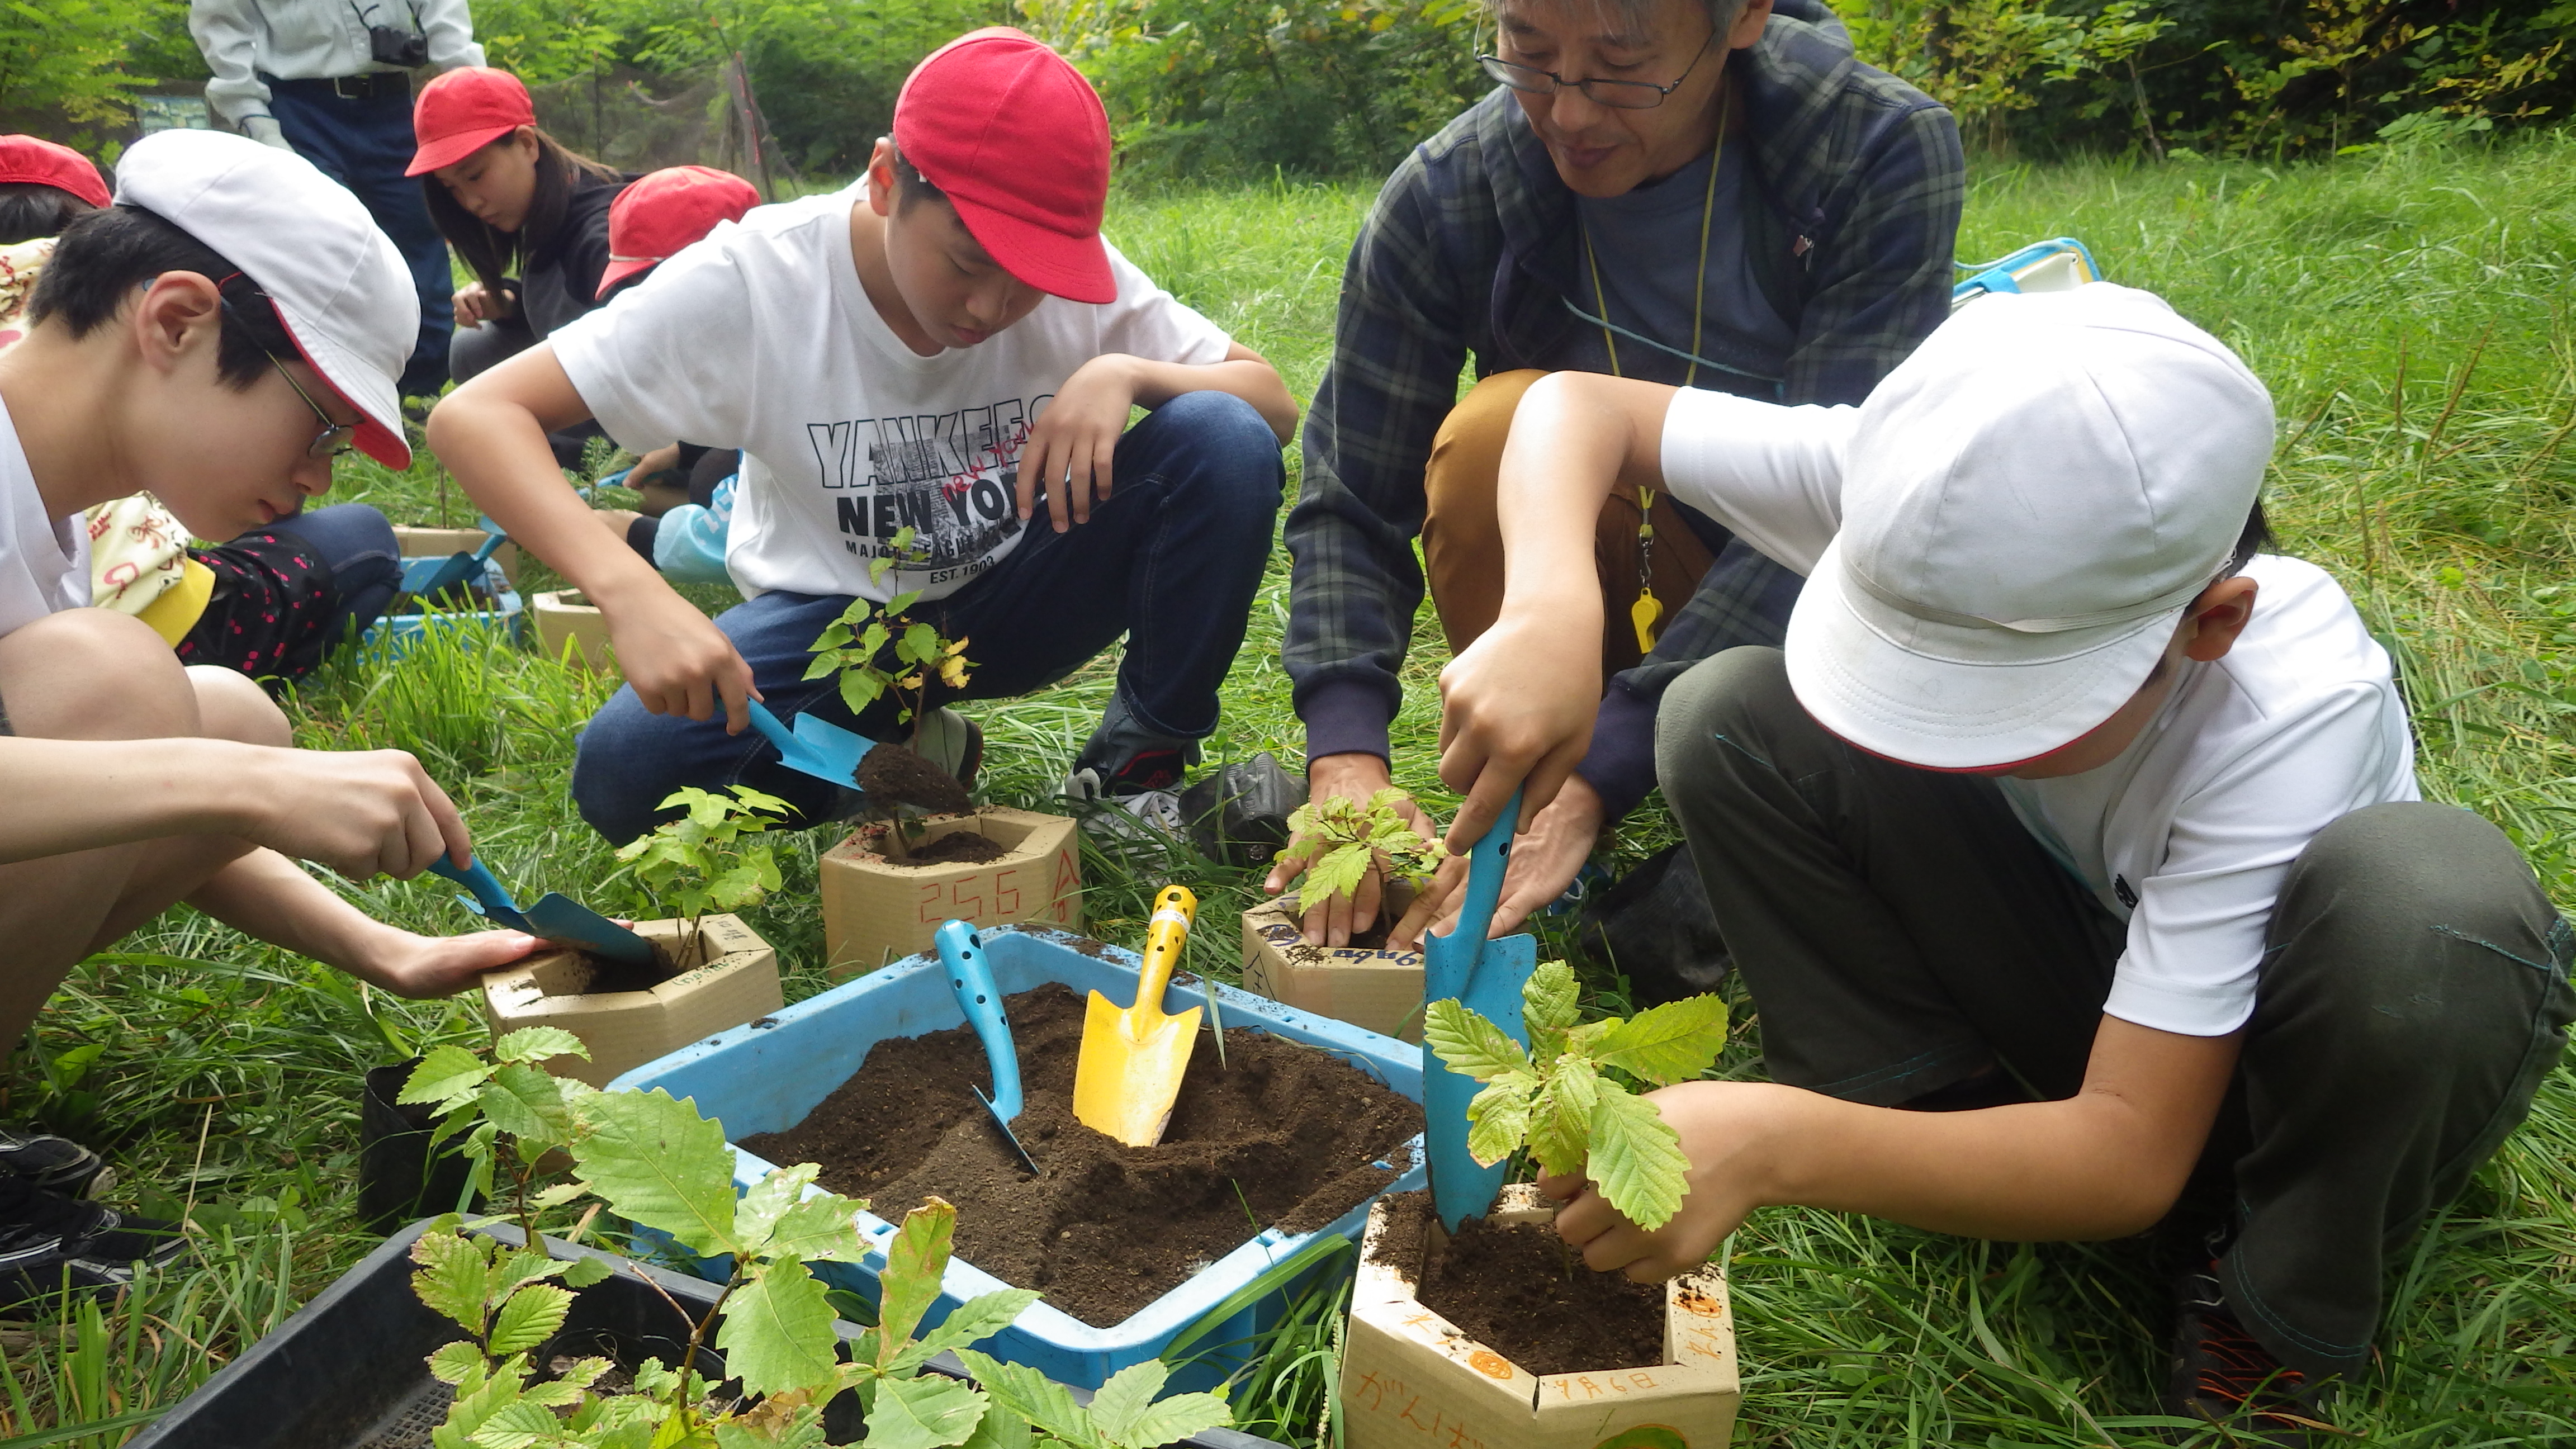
<point x="1616" y="94"/>
<point x="335" y="438"/>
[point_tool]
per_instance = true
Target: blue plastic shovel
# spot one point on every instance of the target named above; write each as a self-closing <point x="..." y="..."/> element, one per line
<point x="816" y="747"/>
<point x="425" y="576"/>
<point x="556" y="916"/>
<point x="1486" y="976"/>
<point x="971" y="978"/>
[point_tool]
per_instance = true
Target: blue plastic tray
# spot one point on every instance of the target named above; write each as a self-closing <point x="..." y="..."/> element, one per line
<point x="767" y="1076"/>
<point x="396" y="631"/>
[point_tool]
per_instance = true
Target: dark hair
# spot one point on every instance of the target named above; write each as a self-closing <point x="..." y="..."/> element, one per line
<point x="106" y="255"/>
<point x="493" y="254"/>
<point x="30" y="209"/>
<point x="911" y="186"/>
<point x="2256" y="538"/>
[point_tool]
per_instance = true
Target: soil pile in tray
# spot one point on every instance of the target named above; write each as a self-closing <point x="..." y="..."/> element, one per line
<point x="1284" y="1134"/>
<point x="893" y="775"/>
<point x="1523" y="1293"/>
<point x="961" y="847"/>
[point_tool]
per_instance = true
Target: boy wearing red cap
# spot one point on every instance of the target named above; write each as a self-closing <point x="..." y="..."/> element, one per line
<point x="217" y="336"/>
<point x="930" y="384"/>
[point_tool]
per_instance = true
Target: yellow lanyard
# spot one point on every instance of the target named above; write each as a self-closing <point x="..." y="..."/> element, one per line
<point x="1648" y="610"/>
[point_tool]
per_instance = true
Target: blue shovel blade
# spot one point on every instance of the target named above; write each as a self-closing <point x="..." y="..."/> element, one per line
<point x="561" y="919"/>
<point x="814" y="747"/>
<point x="1486" y="977"/>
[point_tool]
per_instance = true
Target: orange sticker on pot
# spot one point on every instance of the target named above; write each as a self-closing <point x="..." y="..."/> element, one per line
<point x="1489" y="1363"/>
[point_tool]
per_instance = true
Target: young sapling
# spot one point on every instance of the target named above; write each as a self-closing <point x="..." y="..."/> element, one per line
<point x="1343" y="838"/>
<point x="1558" y="1099"/>
<point x="853" y="647"/>
<point x="711" y="858"/>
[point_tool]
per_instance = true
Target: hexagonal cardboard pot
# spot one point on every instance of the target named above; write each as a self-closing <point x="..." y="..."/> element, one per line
<point x="1377" y="989"/>
<point x="876" y="910"/>
<point x="1411" y="1380"/>
<point x="440" y="542"/>
<point x="730" y="977"/>
<point x="566" y="620"/>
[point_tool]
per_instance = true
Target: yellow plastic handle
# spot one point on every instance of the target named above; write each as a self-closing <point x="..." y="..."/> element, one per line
<point x="1174" y="911"/>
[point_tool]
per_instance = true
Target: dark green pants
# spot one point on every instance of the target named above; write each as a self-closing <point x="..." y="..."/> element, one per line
<point x="1899" y="929"/>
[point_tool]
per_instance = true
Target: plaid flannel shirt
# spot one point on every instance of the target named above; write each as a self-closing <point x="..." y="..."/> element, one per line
<point x="1471" y="249"/>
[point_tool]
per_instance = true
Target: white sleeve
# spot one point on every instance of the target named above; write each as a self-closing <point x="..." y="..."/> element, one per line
<point x="224" y="32"/>
<point x="1150" y="323"/>
<point x="670" y="358"/>
<point x="1771" y="474"/>
<point x="449" y="27"/>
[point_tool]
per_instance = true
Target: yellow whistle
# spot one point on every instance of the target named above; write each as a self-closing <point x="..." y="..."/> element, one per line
<point x="1643" y="614"/>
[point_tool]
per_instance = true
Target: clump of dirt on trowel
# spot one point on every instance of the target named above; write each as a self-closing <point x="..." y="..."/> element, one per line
<point x="893" y="775"/>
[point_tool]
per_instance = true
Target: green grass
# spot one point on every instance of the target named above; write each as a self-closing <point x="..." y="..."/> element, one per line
<point x="2410" y="312"/>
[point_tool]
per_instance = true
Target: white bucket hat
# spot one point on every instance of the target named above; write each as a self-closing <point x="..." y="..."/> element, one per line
<point x="2029" y="502"/>
<point x="337" y="282"/>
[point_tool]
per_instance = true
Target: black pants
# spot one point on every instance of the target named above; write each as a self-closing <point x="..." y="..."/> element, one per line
<point x="1899" y="929"/>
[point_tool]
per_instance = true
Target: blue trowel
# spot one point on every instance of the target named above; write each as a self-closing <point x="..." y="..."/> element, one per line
<point x="425" y="576"/>
<point x="816" y="747"/>
<point x="1487" y="977"/>
<point x="557" y="917"/>
<point x="970" y="976"/>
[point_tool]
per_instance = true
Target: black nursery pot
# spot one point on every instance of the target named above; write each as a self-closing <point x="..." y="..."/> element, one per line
<point x="349" y="1370"/>
<point x="401" y="1176"/>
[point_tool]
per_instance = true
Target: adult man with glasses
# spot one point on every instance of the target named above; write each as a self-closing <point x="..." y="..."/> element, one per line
<point x="1711" y="193"/>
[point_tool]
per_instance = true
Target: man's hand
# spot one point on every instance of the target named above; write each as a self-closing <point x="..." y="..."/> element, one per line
<point x="1728" y="1131"/>
<point x="476" y="304"/>
<point x="264" y="130"/>
<point x="361" y="813"/>
<point x="1544" y="862"/>
<point x="425" y="968"/>
<point x="1069" y="451"/>
<point x="678" y="661"/>
<point x="1354" y="777"/>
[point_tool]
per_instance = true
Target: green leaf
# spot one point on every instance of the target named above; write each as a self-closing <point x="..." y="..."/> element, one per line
<point x="976" y="1319"/>
<point x="920" y="644"/>
<point x="1498" y="1119"/>
<point x="536" y="1043"/>
<point x="860" y="688"/>
<point x="454" y="1361"/>
<point x="1549" y="1005"/>
<point x="1636" y="1158"/>
<point x="777" y="1333"/>
<point x="915" y="1261"/>
<point x="529" y="1317"/>
<point x="923" y="1413"/>
<point x="1560" y="1128"/>
<point x="1470" y="1045"/>
<point x="582" y="1272"/>
<point x="998" y="1429"/>
<point x="901" y="602"/>
<point x="755" y="1217"/>
<point x="1126" y="1413"/>
<point x="448" y="1076"/>
<point x="527" y="1104"/>
<point x="1033" y="1396"/>
<point x="1665" y="1044"/>
<point x="453" y="1277"/>
<point x="658" y="1163"/>
<point x="821" y="1229"/>
<point x="516" y="1425"/>
<point x="1338" y="872"/>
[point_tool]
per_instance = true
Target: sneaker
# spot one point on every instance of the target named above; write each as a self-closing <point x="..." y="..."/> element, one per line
<point x="49" y="1242"/>
<point x="2224" y="1376"/>
<point x="952" y="742"/>
<point x="1135" y="817"/>
<point x="56" y="1164"/>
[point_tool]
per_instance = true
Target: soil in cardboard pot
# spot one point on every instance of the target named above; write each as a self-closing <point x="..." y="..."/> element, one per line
<point x="1283" y="1134"/>
<point x="1520" y="1291"/>
<point x="959" y="847"/>
<point x="893" y="775"/>
<point x="608" y="975"/>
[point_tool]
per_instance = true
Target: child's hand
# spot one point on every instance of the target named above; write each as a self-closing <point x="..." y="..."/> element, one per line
<point x="677" y="660"/>
<point x="1517" y="705"/>
<point x="1727" y="1131"/>
<point x="361" y="813"/>
<point x="425" y="968"/>
<point x="477" y="304"/>
<point x="1070" y="448"/>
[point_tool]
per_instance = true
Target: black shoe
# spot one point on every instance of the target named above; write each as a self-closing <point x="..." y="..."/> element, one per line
<point x="49" y="1242"/>
<point x="2221" y="1374"/>
<point x="56" y="1164"/>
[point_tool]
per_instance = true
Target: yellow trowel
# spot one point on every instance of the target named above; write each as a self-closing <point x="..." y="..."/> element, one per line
<point x="1132" y="1060"/>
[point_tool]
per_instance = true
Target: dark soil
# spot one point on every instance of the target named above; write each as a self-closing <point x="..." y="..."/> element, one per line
<point x="1523" y="1293"/>
<point x="1283" y="1135"/>
<point x="957" y="847"/>
<point x="607" y="975"/>
<point x="893" y="775"/>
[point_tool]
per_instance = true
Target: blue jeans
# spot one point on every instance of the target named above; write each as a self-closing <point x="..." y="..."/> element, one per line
<point x="1171" y="559"/>
<point x="364" y="145"/>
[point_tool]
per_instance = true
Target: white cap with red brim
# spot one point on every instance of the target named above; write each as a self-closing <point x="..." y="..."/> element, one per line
<point x="2028" y="504"/>
<point x="337" y="282"/>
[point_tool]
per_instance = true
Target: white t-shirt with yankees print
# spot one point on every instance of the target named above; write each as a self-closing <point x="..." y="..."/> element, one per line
<point x="760" y="337"/>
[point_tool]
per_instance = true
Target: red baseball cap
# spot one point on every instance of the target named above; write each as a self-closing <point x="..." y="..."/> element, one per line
<point x="1019" y="142"/>
<point x="464" y="111"/>
<point x="27" y="159"/>
<point x="666" y="210"/>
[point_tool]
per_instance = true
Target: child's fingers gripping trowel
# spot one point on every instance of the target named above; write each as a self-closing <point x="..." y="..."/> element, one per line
<point x="816" y="747"/>
<point x="971" y="978"/>
<point x="425" y="576"/>
<point x="1133" y="1060"/>
<point x="557" y="917"/>
<point x="1487" y="977"/>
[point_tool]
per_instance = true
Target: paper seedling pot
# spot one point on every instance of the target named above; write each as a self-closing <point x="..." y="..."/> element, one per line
<point x="875" y="911"/>
<point x="1380" y="990"/>
<point x="1411" y="1380"/>
<point x="415" y="543"/>
<point x="732" y="980"/>
<point x="565" y="620"/>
